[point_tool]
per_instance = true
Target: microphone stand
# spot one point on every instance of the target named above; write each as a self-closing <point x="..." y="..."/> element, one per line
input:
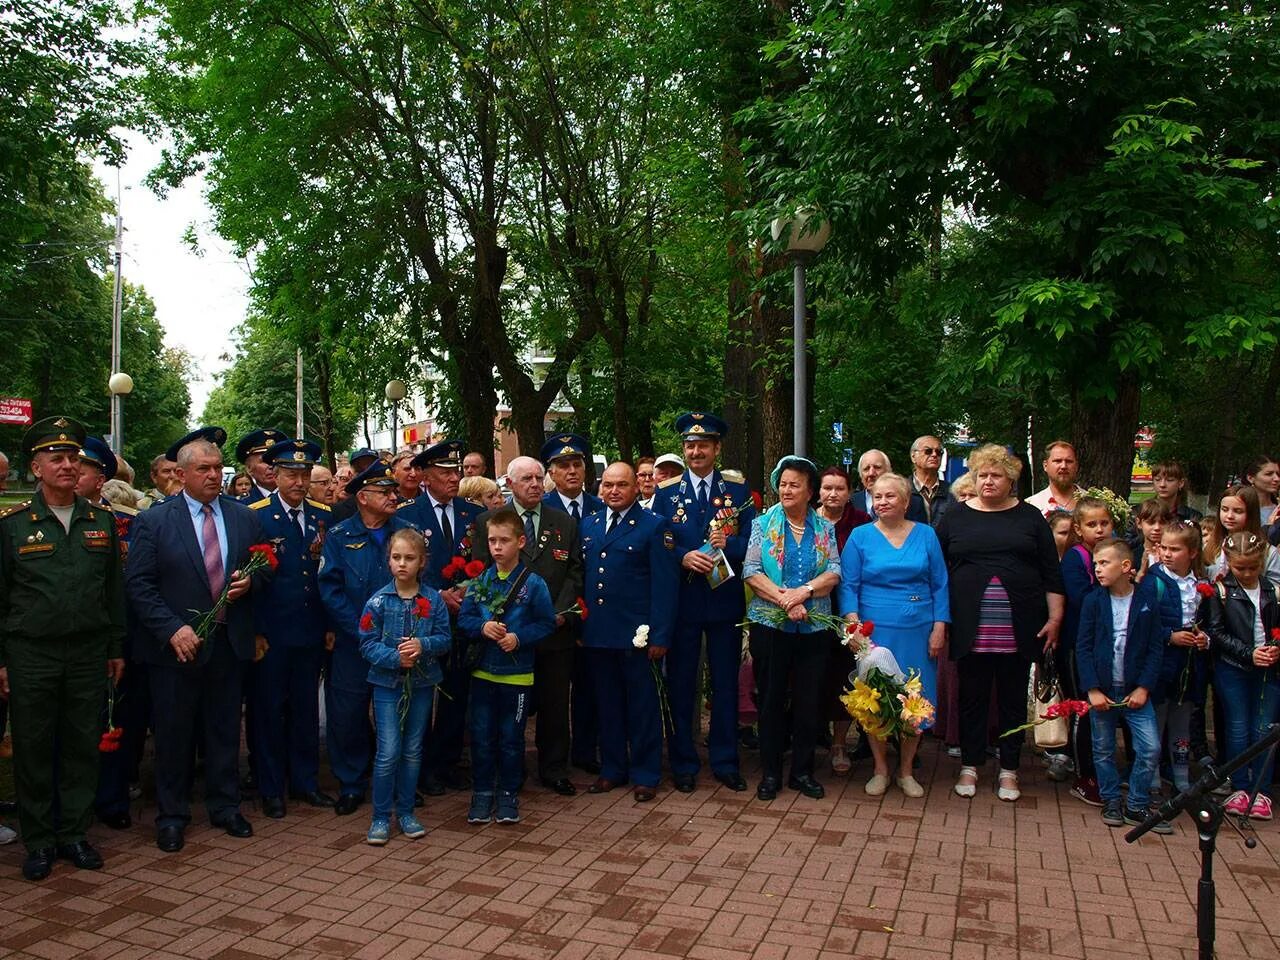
<point x="1206" y="810"/>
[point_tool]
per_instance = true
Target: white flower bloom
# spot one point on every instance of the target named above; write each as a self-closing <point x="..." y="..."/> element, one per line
<point x="641" y="639"/>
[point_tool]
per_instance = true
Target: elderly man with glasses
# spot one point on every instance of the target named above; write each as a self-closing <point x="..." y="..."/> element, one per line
<point x="926" y="460"/>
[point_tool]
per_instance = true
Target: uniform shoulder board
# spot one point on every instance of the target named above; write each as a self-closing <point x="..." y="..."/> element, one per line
<point x="670" y="480"/>
<point x="320" y="506"/>
<point x="260" y="504"/>
<point x="407" y="503"/>
<point x="16" y="508"/>
<point x="121" y="508"/>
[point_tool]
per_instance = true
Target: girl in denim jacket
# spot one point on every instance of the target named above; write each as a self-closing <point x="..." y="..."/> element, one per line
<point x="405" y="627"/>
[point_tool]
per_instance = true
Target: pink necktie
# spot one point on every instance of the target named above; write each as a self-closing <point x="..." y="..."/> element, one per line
<point x="212" y="553"/>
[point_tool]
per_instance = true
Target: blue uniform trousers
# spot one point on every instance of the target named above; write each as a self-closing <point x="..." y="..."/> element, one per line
<point x="584" y="717"/>
<point x="724" y="648"/>
<point x="286" y="699"/>
<point x="348" y="733"/>
<point x="630" y="719"/>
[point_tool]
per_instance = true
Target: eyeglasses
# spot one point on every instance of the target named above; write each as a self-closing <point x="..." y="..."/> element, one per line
<point x="930" y="451"/>
<point x="644" y="476"/>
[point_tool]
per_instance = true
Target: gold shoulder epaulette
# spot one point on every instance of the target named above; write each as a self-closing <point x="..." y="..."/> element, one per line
<point x="320" y="506"/>
<point x="16" y="508"/>
<point x="260" y="504"/>
<point x="670" y="480"/>
<point x="407" y="503"/>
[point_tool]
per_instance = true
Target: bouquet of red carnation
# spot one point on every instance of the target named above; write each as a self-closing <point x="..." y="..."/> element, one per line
<point x="1204" y="589"/>
<point x="462" y="567"/>
<point x="110" y="740"/>
<point x="1063" y="708"/>
<point x="261" y="555"/>
<point x="857" y="634"/>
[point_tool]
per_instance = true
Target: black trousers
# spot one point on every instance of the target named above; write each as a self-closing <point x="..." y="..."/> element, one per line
<point x="792" y="663"/>
<point x="1009" y="673"/>
<point x="442" y="749"/>
<point x="552" y="672"/>
<point x="185" y="698"/>
<point x="1081" y="732"/>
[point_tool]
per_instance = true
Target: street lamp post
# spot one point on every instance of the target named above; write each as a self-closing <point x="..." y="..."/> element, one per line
<point x="395" y="392"/>
<point x="806" y="234"/>
<point x="120" y="385"/>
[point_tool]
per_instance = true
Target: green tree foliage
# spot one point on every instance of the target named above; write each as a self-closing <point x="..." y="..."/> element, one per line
<point x="259" y="390"/>
<point x="1112" y="168"/>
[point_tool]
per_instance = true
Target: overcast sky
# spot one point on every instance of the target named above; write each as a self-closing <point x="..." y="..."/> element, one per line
<point x="199" y="298"/>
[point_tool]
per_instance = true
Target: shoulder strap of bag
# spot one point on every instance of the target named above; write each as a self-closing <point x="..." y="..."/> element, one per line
<point x="1088" y="560"/>
<point x="512" y="592"/>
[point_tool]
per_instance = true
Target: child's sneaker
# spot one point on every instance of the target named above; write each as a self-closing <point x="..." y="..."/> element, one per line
<point x="412" y="827"/>
<point x="1086" y="790"/>
<point x="379" y="833"/>
<point x="1261" y="808"/>
<point x="1237" y="803"/>
<point x="1162" y="827"/>
<point x="508" y="808"/>
<point x="481" y="808"/>
<point x="1113" y="813"/>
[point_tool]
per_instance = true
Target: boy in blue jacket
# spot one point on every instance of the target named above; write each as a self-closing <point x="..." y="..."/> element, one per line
<point x="1119" y="648"/>
<point x="508" y="610"/>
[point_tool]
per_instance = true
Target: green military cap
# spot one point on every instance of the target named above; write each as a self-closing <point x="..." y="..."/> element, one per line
<point x="53" y="433"/>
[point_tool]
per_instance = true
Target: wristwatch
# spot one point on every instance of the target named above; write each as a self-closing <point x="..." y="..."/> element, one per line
<point x="809" y="587"/>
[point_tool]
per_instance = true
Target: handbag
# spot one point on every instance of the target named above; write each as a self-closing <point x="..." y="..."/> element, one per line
<point x="1043" y="691"/>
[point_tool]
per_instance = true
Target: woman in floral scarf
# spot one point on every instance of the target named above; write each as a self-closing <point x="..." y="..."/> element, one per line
<point x="792" y="566"/>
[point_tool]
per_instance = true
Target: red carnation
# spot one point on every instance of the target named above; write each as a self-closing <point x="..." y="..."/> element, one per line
<point x="1204" y="589"/>
<point x="366" y="622"/>
<point x="267" y="551"/>
<point x="108" y="743"/>
<point x="865" y="627"/>
<point x="582" y="608"/>
<point x="422" y="607"/>
<point x="1275" y="636"/>
<point x="474" y="568"/>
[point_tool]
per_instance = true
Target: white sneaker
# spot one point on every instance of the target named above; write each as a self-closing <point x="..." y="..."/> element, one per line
<point x="7" y="835"/>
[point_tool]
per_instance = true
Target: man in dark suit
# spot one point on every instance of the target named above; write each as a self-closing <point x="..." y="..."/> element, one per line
<point x="448" y="523"/>
<point x="634" y="585"/>
<point x="552" y="551"/>
<point x="183" y="553"/>
<point x="291" y="624"/>
<point x="566" y="455"/>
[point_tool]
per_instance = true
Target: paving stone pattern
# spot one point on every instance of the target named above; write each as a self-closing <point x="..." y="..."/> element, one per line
<point x="715" y="875"/>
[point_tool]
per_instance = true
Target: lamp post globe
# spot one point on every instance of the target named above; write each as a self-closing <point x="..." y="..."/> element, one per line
<point x="120" y="384"/>
<point x="395" y="391"/>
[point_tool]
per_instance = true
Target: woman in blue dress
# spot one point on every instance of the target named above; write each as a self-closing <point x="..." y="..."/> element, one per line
<point x="894" y="575"/>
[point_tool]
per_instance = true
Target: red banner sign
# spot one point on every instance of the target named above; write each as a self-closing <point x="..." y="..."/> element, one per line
<point x="15" y="411"/>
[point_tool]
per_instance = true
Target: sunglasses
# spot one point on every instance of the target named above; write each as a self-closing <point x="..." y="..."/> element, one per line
<point x="930" y="451"/>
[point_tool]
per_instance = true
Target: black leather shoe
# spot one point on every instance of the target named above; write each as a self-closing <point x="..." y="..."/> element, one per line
<point x="808" y="786"/>
<point x="273" y="807"/>
<point x="236" y="826"/>
<point x="82" y="854"/>
<point x="116" y="821"/>
<point x="347" y="804"/>
<point x="733" y="781"/>
<point x="170" y="839"/>
<point x="561" y="786"/>
<point x="768" y="789"/>
<point x="604" y="785"/>
<point x="39" y="863"/>
<point x="313" y="798"/>
<point x="588" y="766"/>
<point x="431" y="787"/>
<point x="684" y="782"/>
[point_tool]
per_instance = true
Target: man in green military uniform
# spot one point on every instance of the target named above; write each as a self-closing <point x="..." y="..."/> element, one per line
<point x="61" y="639"/>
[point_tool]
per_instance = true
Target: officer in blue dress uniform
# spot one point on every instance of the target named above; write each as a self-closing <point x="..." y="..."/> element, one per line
<point x="707" y="513"/>
<point x="631" y="582"/>
<point x="291" y="626"/>
<point x="132" y="701"/>
<point x="565" y="456"/>
<point x="448" y="524"/>
<point x="353" y="566"/>
<point x="251" y="452"/>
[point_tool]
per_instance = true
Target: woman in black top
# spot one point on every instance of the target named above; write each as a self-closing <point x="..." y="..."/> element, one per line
<point x="1007" y="602"/>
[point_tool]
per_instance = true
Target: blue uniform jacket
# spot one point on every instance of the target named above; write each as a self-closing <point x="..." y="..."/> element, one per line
<point x="632" y="576"/>
<point x="1178" y="661"/>
<point x="419" y="513"/>
<point x="387" y="619"/>
<point x="353" y="567"/>
<point x="290" y="612"/>
<point x="1144" y="646"/>
<point x="529" y="615"/>
<point x="590" y="504"/>
<point x="678" y="505"/>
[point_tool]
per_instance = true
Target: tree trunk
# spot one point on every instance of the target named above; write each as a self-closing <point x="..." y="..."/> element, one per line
<point x="323" y="374"/>
<point x="1103" y="435"/>
<point x="741" y="409"/>
<point x="621" y="418"/>
<point x="776" y="415"/>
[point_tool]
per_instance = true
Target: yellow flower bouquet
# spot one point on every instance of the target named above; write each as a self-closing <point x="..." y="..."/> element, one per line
<point x="884" y="705"/>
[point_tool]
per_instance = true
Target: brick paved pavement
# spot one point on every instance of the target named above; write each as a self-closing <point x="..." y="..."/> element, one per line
<point x="713" y="875"/>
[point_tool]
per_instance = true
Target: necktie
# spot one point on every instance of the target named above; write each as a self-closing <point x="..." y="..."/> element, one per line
<point x="445" y="528"/>
<point x="613" y="522"/>
<point x="573" y="510"/>
<point x="293" y="516"/>
<point x="529" y="533"/>
<point x="702" y="496"/>
<point x="212" y="553"/>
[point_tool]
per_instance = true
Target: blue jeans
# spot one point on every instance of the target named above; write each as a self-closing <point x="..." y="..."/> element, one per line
<point x="498" y="714"/>
<point x="1144" y="742"/>
<point x="399" y="752"/>
<point x="1250" y="703"/>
